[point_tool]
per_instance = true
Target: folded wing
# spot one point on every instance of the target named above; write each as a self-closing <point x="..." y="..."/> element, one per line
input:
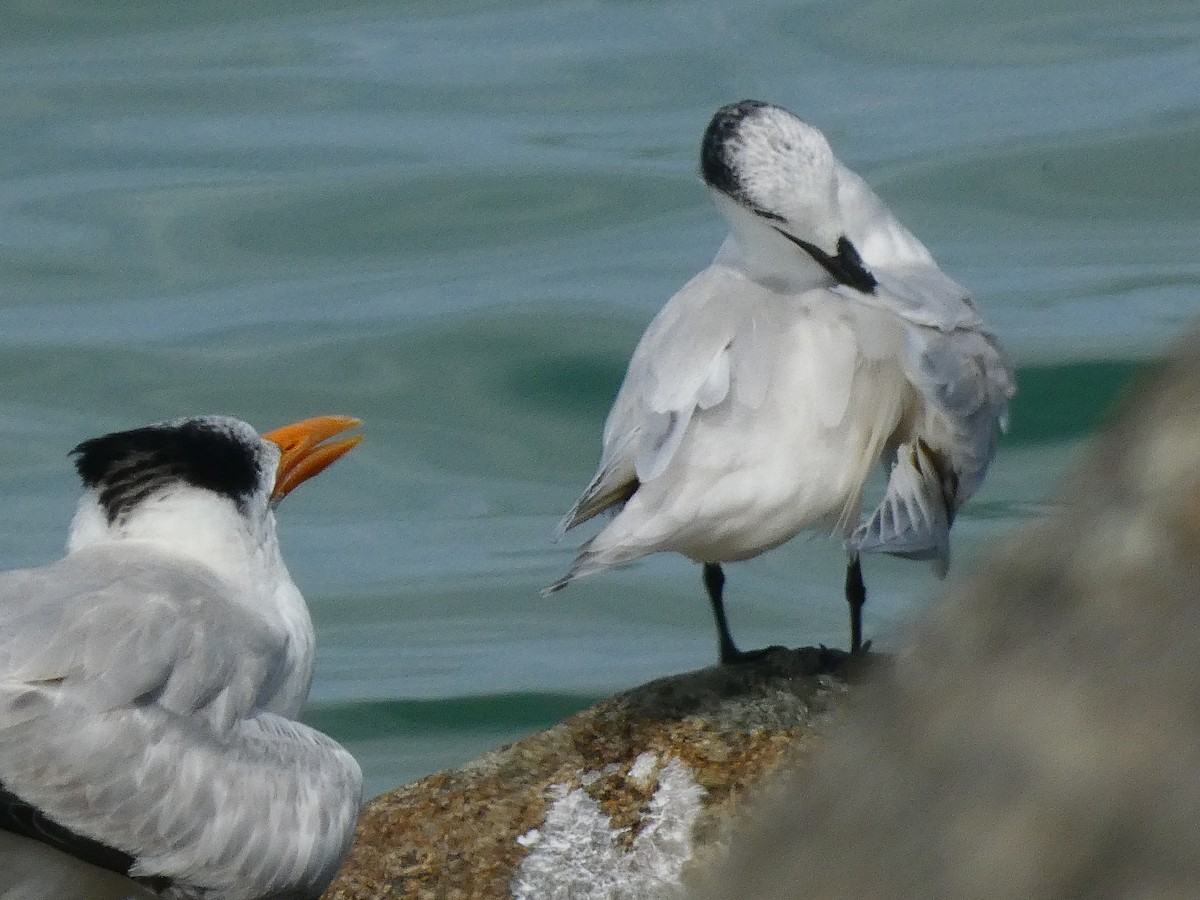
<point x="130" y="731"/>
<point x="683" y="363"/>
<point x="954" y="363"/>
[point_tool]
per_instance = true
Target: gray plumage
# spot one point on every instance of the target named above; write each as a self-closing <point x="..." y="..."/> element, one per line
<point x="148" y="689"/>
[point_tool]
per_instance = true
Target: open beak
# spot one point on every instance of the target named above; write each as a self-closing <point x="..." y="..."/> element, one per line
<point x="308" y="451"/>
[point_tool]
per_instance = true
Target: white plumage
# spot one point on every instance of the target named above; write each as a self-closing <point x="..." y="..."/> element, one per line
<point x="821" y="341"/>
<point x="150" y="680"/>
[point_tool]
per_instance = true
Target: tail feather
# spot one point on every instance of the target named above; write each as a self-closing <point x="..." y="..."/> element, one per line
<point x="559" y="585"/>
<point x="584" y="564"/>
<point x="592" y="560"/>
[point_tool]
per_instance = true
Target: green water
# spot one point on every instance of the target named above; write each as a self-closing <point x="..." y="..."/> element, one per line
<point x="455" y="219"/>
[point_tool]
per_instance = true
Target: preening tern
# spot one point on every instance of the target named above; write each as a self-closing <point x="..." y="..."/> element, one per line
<point x="822" y="340"/>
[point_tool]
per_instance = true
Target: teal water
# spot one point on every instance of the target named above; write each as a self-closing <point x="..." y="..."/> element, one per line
<point x="454" y="219"/>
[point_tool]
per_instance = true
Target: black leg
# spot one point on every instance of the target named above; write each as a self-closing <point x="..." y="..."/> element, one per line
<point x="856" y="596"/>
<point x="714" y="583"/>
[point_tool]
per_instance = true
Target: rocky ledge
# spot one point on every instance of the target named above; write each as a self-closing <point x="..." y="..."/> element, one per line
<point x="620" y="800"/>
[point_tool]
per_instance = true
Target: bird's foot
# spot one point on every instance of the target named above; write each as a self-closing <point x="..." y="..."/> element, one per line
<point x="732" y="656"/>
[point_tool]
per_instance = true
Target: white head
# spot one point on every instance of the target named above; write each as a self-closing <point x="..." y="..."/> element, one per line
<point x="196" y="484"/>
<point x="775" y="179"/>
<point x="205" y="488"/>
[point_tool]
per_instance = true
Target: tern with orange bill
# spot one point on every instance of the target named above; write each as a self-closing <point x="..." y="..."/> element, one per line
<point x="150" y="680"/>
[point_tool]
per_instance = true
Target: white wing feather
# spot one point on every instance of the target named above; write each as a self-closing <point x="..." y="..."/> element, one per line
<point x="913" y="520"/>
<point x="682" y="363"/>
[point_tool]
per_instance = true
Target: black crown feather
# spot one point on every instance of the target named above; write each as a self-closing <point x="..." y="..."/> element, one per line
<point x="127" y="466"/>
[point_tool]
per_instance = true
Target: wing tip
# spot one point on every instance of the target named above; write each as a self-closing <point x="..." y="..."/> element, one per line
<point x="929" y="546"/>
<point x="565" y="524"/>
<point x="913" y="520"/>
<point x="548" y="591"/>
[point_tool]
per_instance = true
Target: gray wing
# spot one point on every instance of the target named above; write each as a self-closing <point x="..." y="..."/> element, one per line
<point x="956" y="365"/>
<point x="966" y="383"/>
<point x="127" y="717"/>
<point x="684" y="362"/>
<point x="117" y="625"/>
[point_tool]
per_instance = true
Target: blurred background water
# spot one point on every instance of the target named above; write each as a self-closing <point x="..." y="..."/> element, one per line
<point x="454" y="220"/>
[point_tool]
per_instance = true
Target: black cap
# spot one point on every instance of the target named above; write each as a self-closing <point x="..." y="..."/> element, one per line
<point x="211" y="453"/>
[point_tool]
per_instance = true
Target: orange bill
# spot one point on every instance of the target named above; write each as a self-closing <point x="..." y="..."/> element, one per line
<point x="307" y="450"/>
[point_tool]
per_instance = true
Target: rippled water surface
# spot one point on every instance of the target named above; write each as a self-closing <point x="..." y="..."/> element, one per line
<point x="454" y="220"/>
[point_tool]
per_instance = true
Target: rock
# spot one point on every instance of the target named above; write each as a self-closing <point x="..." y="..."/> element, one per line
<point x="1040" y="738"/>
<point x="613" y="802"/>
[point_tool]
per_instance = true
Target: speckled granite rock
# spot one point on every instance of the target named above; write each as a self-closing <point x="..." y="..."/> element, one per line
<point x="613" y="802"/>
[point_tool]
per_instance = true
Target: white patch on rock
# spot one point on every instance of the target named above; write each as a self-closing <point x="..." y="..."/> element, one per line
<point x="642" y="770"/>
<point x="529" y="838"/>
<point x="577" y="857"/>
<point x="589" y="778"/>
